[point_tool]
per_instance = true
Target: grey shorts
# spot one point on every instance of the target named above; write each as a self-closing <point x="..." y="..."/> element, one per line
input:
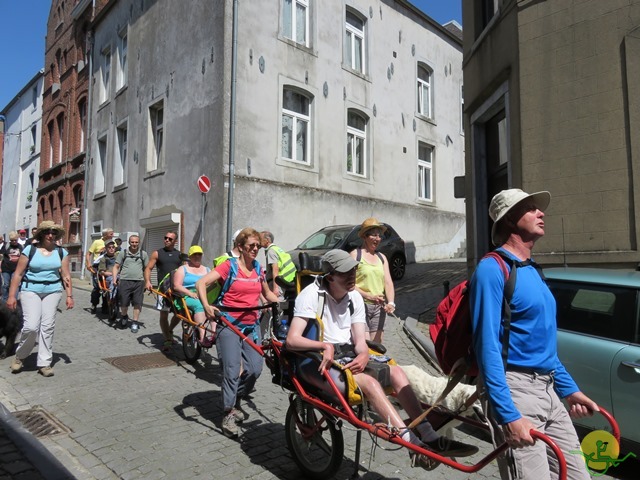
<point x="131" y="293"/>
<point x="376" y="317"/>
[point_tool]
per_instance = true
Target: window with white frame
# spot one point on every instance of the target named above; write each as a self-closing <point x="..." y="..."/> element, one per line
<point x="354" y="42"/>
<point x="356" y="143"/>
<point x="425" y="91"/>
<point x="296" y="126"/>
<point x="99" y="166"/>
<point x="155" y="158"/>
<point x="34" y="138"/>
<point x="295" y="20"/>
<point x="425" y="171"/>
<point x="105" y="78"/>
<point x="120" y="158"/>
<point x="121" y="80"/>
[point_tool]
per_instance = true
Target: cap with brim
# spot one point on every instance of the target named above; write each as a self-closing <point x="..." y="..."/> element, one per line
<point x="194" y="249"/>
<point x="505" y="200"/>
<point x="49" y="225"/>
<point x="22" y="231"/>
<point x="338" y="261"/>
<point x="369" y="224"/>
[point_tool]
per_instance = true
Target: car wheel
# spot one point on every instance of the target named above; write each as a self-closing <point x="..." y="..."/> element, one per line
<point x="397" y="266"/>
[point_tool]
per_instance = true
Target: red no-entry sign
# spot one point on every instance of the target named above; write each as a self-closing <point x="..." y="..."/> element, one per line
<point x="204" y="183"/>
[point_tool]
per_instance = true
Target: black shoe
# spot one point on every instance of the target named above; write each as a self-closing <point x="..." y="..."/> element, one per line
<point x="451" y="448"/>
<point x="124" y="322"/>
<point x="93" y="309"/>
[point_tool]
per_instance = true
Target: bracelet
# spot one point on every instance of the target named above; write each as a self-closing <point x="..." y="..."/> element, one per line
<point x="391" y="303"/>
<point x="69" y="296"/>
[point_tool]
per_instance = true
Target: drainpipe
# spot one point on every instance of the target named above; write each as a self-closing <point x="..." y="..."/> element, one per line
<point x="232" y="125"/>
<point x="87" y="157"/>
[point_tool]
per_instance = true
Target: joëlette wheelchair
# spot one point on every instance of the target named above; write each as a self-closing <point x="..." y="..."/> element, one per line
<point x="110" y="297"/>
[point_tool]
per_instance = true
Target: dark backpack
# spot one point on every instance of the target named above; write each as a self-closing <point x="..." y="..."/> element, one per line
<point x="452" y="332"/>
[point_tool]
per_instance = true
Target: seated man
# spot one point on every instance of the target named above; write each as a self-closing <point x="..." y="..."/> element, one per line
<point x="105" y="267"/>
<point x="346" y="324"/>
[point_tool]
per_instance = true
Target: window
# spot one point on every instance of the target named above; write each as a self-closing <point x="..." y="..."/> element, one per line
<point x="122" y="62"/>
<point x="354" y="42"/>
<point x="462" y="109"/>
<point x="34" y="138"/>
<point x="30" y="187"/>
<point x="596" y="309"/>
<point x="51" y="140"/>
<point x="106" y="76"/>
<point x="425" y="166"/>
<point x="60" y="136"/>
<point x="156" y="152"/>
<point x="82" y="120"/>
<point x="295" y="126"/>
<point x="356" y="143"/>
<point x="295" y="20"/>
<point x="425" y="91"/>
<point x="34" y="97"/>
<point x="99" y="164"/>
<point x="120" y="160"/>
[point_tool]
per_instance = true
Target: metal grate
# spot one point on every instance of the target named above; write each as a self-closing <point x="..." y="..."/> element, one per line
<point x="40" y="423"/>
<point x="145" y="361"/>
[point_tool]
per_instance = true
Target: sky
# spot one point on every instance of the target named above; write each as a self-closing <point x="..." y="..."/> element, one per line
<point x="23" y="24"/>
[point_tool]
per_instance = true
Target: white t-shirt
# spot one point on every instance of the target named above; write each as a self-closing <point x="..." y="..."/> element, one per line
<point x="337" y="317"/>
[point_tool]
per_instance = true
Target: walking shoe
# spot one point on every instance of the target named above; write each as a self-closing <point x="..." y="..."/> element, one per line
<point x="16" y="365"/>
<point x="93" y="309"/>
<point x="229" y="425"/>
<point x="239" y="414"/>
<point x="448" y="447"/>
<point x="46" y="371"/>
<point x="124" y="321"/>
<point x="422" y="461"/>
<point x="135" y="327"/>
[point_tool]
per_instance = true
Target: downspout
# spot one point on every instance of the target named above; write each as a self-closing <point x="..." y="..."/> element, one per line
<point x="87" y="157"/>
<point x="232" y="125"/>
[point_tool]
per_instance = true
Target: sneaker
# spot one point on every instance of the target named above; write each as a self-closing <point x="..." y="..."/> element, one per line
<point x="46" y="371"/>
<point x="135" y="327"/>
<point x="451" y="448"/>
<point x="239" y="414"/>
<point x="124" y="321"/>
<point x="229" y="425"/>
<point x="16" y="365"/>
<point x="422" y="461"/>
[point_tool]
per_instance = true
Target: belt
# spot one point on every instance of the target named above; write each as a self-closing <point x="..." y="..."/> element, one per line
<point x="529" y="371"/>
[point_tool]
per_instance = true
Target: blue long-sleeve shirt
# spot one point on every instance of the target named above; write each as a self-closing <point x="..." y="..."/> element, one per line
<point x="533" y="337"/>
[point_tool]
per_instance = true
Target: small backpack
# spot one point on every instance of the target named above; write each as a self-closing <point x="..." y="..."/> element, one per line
<point x="452" y="332"/>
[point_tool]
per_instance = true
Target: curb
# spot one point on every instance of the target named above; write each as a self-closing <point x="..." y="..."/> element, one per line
<point x="41" y="458"/>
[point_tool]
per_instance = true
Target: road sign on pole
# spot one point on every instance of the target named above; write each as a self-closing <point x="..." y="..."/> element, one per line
<point x="204" y="183"/>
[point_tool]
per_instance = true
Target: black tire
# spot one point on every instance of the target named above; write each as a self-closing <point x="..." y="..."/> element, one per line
<point x="397" y="266"/>
<point x="320" y="454"/>
<point x="190" y="345"/>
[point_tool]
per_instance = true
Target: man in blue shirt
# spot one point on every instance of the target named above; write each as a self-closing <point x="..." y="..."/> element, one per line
<point x="527" y="395"/>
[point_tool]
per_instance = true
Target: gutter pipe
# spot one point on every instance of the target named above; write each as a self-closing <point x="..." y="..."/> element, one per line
<point x="232" y="125"/>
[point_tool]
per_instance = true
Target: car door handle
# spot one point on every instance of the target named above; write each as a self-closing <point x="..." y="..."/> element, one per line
<point x="633" y="365"/>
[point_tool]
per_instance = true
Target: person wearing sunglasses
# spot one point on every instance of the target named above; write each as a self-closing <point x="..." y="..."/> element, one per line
<point x="244" y="291"/>
<point x="165" y="260"/>
<point x="373" y="278"/>
<point x="43" y="274"/>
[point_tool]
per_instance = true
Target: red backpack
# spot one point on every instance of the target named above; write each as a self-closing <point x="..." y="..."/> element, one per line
<point x="452" y="333"/>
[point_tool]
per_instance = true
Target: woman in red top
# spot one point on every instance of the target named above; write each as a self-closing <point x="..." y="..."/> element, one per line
<point x="244" y="291"/>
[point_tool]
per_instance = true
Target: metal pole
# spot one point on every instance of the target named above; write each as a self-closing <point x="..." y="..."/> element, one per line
<point x="232" y="125"/>
<point x="202" y="220"/>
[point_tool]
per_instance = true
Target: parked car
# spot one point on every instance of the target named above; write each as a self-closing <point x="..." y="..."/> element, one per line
<point x="599" y="341"/>
<point x="346" y="238"/>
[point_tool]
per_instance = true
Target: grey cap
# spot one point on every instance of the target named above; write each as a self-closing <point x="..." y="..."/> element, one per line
<point x="338" y="261"/>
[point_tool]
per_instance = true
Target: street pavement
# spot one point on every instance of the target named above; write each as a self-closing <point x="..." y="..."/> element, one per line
<point x="164" y="423"/>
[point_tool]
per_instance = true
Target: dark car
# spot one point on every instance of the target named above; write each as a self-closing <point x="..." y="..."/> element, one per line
<point x="346" y="237"/>
<point x="599" y="341"/>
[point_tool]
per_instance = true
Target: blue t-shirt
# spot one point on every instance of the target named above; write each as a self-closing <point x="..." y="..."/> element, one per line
<point x="533" y="337"/>
<point x="43" y="268"/>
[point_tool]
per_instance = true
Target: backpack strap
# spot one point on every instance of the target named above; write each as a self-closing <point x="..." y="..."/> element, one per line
<point x="359" y="255"/>
<point x="32" y="252"/>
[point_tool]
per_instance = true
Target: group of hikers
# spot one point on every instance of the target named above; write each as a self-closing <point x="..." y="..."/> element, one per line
<point x="520" y="376"/>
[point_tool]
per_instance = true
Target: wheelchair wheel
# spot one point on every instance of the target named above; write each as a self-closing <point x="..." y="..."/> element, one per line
<point x="314" y="440"/>
<point x="190" y="345"/>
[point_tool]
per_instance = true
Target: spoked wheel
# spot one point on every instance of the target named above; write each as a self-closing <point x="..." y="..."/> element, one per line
<point x="113" y="309"/>
<point x="190" y="345"/>
<point x="314" y="440"/>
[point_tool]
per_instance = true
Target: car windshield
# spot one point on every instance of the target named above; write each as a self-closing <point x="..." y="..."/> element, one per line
<point x="325" y="239"/>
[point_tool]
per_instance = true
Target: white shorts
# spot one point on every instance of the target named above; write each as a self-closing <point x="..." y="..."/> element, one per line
<point x="162" y="304"/>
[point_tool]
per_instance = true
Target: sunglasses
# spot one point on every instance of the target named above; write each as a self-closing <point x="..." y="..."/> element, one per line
<point x="170" y="239"/>
<point x="50" y="231"/>
<point x="253" y="245"/>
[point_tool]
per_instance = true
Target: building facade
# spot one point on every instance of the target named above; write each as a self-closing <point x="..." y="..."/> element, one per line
<point x="341" y="111"/>
<point x="21" y="157"/>
<point x="552" y="104"/>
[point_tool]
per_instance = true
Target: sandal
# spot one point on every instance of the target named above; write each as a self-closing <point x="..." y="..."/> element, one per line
<point x="166" y="346"/>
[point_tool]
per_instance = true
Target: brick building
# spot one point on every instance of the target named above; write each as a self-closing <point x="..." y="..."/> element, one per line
<point x="64" y="118"/>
